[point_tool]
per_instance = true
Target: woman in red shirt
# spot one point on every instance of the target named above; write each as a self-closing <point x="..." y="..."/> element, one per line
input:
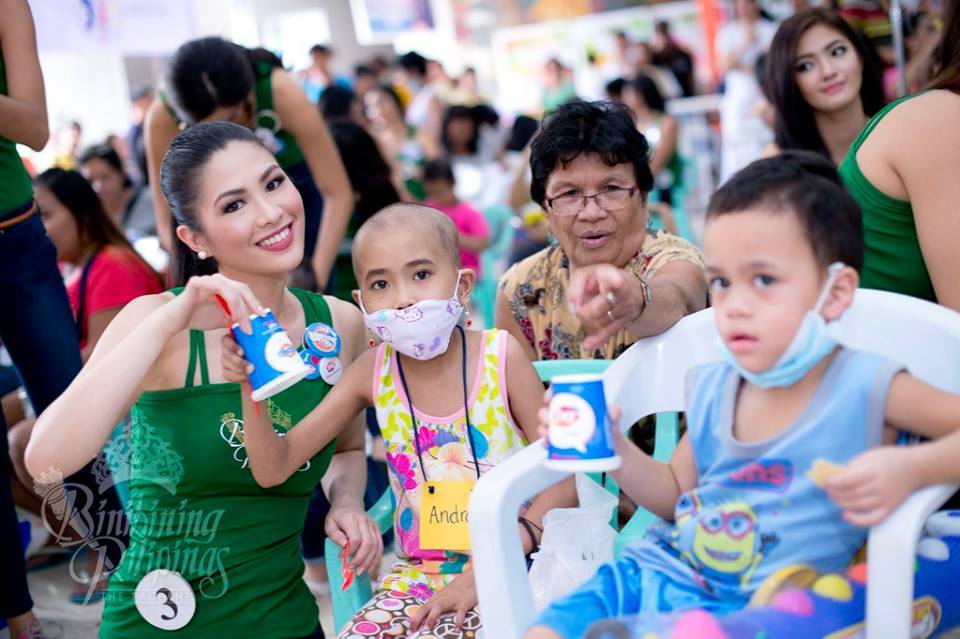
<point x="107" y="272"/>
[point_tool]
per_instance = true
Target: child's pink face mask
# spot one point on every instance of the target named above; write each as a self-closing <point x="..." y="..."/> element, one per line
<point x="422" y="330"/>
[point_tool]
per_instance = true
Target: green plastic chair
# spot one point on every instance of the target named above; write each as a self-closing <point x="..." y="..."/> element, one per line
<point x="347" y="603"/>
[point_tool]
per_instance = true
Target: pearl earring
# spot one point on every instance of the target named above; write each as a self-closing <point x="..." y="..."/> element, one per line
<point x="202" y="255"/>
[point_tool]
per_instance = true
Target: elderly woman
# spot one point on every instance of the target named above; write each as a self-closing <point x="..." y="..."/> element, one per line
<point x="608" y="282"/>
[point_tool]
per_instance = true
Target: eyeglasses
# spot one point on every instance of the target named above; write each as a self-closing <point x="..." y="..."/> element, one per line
<point x="736" y="524"/>
<point x="609" y="200"/>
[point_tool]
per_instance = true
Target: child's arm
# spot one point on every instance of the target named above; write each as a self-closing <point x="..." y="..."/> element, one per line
<point x="476" y="236"/>
<point x="650" y="483"/>
<point x="474" y="243"/>
<point x="274" y="459"/>
<point x="872" y="485"/>
<point x="344" y="484"/>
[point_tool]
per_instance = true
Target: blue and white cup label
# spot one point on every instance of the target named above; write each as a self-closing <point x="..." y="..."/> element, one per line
<point x="572" y="422"/>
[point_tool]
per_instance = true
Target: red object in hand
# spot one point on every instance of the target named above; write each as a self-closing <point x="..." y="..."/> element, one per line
<point x="226" y="312"/>
<point x="223" y="307"/>
<point x="346" y="570"/>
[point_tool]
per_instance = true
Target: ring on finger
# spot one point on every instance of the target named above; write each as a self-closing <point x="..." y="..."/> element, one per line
<point x="610" y="315"/>
<point x="611" y="301"/>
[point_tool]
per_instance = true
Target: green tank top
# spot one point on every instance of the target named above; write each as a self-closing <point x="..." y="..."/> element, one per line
<point x="284" y="146"/>
<point x="195" y="508"/>
<point x="17" y="189"/>
<point x="893" y="260"/>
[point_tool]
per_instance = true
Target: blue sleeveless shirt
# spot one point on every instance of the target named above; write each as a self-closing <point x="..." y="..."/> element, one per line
<point x="755" y="510"/>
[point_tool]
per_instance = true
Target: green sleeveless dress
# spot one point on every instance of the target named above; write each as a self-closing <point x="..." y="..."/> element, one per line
<point x="15" y="187"/>
<point x="196" y="509"/>
<point x="893" y="259"/>
<point x="285" y="147"/>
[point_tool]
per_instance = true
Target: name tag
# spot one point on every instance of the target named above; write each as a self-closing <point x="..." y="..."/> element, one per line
<point x="165" y="600"/>
<point x="443" y="515"/>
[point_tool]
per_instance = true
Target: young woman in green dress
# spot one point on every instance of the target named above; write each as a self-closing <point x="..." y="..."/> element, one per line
<point x="211" y="552"/>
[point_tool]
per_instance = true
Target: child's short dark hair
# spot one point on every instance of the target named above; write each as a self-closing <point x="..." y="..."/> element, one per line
<point x="438" y="170"/>
<point x="808" y="185"/>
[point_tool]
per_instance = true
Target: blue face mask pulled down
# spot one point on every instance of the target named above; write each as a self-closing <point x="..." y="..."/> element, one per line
<point x="813" y="341"/>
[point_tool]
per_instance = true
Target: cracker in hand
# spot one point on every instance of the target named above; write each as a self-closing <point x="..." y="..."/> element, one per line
<point x="822" y="470"/>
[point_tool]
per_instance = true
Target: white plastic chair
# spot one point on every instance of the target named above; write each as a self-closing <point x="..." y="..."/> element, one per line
<point x="648" y="378"/>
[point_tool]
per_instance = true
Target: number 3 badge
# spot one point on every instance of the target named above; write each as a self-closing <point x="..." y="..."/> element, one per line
<point x="165" y="600"/>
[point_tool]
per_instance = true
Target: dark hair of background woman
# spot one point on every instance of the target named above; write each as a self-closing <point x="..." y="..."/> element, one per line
<point x="180" y="171"/>
<point x="336" y="102"/>
<point x="603" y="128"/>
<point x="648" y="90"/>
<point x="369" y="173"/>
<point x="106" y="153"/>
<point x="95" y="228"/>
<point x="209" y="73"/>
<point x="796" y="127"/>
<point x="393" y="95"/>
<point x="948" y="58"/>
<point x="457" y="112"/>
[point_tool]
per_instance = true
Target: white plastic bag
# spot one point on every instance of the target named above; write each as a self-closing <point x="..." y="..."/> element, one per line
<point x="575" y="542"/>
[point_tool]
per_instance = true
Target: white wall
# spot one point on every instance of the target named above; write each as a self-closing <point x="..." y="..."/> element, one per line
<point x="348" y="53"/>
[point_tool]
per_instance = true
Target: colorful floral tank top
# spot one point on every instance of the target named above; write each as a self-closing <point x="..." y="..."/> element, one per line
<point x="446" y="455"/>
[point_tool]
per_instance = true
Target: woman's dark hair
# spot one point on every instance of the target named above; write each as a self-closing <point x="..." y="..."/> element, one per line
<point x="95" y="227"/>
<point x="806" y="184"/>
<point x="485" y="114"/>
<point x="209" y="73"/>
<point x="369" y="174"/>
<point x="795" y="124"/>
<point x="106" y="153"/>
<point x="413" y="62"/>
<point x="648" y="90"/>
<point x="179" y="182"/>
<point x="604" y="128"/>
<point x="393" y="95"/>
<point x="438" y="170"/>
<point x="522" y="131"/>
<point x="460" y="112"/>
<point x="614" y="88"/>
<point x="335" y="103"/>
<point x="948" y="56"/>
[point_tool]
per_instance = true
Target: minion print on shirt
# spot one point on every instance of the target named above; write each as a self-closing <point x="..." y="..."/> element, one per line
<point x="720" y="537"/>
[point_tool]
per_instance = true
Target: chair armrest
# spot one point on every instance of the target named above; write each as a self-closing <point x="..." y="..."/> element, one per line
<point x="891" y="555"/>
<point x="346" y="603"/>
<point x="503" y="588"/>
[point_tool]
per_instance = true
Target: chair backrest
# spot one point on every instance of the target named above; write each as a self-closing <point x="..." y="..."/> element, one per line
<point x="924" y="337"/>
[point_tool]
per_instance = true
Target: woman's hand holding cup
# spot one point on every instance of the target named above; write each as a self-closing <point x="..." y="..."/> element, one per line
<point x="235" y="367"/>
<point x="197" y="306"/>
